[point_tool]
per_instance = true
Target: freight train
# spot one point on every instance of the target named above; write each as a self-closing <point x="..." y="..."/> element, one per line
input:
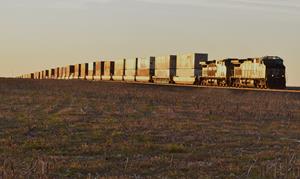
<point x="193" y="69"/>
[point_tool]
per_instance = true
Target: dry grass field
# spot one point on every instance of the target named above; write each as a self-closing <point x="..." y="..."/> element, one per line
<point x="82" y="129"/>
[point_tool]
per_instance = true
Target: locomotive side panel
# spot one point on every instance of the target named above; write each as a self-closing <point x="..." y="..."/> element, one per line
<point x="214" y="73"/>
<point x="245" y="73"/>
<point x="253" y="69"/>
<point x="221" y="70"/>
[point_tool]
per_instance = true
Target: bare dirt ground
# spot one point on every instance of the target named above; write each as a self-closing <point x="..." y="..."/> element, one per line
<point x="81" y="129"/>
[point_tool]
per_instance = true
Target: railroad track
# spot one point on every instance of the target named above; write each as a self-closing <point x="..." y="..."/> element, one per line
<point x="211" y="87"/>
<point x="195" y="86"/>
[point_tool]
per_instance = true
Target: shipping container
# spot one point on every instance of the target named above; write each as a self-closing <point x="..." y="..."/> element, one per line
<point x="91" y="70"/>
<point x="119" y="70"/>
<point x="131" y="69"/>
<point x="97" y="70"/>
<point x="42" y="73"/>
<point x="77" y="72"/>
<point x="46" y="73"/>
<point x="107" y="70"/>
<point x="64" y="73"/>
<point x="145" y="69"/>
<point x="52" y="73"/>
<point x="188" y="69"/>
<point x="165" y="69"/>
<point x="61" y="73"/>
<point x="84" y="71"/>
<point x="70" y="70"/>
<point x="36" y="75"/>
<point x="56" y="73"/>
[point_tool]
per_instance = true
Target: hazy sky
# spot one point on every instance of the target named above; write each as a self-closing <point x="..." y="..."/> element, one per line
<point x="41" y="34"/>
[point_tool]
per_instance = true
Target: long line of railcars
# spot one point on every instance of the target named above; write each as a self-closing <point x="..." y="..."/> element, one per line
<point x="192" y="68"/>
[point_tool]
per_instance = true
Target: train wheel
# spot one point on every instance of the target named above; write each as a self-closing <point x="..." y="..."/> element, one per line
<point x="257" y="86"/>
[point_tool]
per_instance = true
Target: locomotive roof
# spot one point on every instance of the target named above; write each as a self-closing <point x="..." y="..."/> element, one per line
<point x="273" y="58"/>
<point x="267" y="60"/>
<point x="273" y="62"/>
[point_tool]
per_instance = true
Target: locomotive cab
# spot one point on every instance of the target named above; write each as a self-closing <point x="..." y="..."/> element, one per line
<point x="275" y="72"/>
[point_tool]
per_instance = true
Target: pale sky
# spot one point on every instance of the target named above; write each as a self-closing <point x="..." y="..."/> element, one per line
<point x="42" y="34"/>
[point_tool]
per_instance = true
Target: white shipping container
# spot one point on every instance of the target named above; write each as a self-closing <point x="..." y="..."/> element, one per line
<point x="188" y="67"/>
<point x="130" y="69"/>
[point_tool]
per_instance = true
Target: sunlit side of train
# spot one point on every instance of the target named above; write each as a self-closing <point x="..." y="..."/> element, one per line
<point x="192" y="69"/>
